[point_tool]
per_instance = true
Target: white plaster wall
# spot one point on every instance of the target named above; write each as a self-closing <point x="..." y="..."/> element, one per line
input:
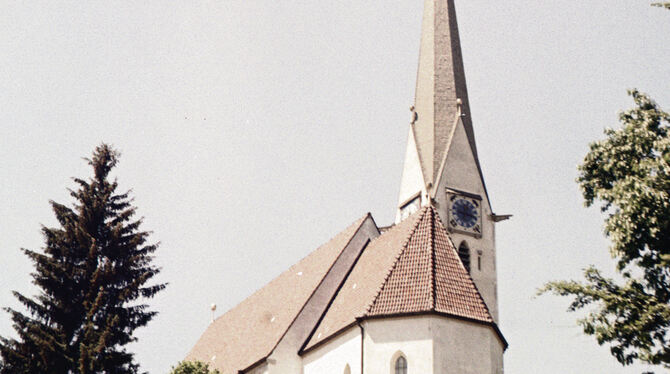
<point x="462" y="347"/>
<point x="497" y="351"/>
<point x="261" y="369"/>
<point x="385" y="338"/>
<point x="336" y="354"/>
<point x="431" y="344"/>
<point x="460" y="173"/>
<point x="411" y="182"/>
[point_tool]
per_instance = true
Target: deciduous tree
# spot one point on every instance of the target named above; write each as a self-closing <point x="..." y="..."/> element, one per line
<point x="628" y="174"/>
<point x="193" y="367"/>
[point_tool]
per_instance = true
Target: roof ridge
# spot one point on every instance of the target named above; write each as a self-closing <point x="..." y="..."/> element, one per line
<point x="395" y="226"/>
<point x="355" y="226"/>
<point x="397" y="258"/>
<point x="432" y="294"/>
<point x="254" y="309"/>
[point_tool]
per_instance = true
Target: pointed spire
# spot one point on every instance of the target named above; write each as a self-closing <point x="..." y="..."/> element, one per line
<point x="440" y="85"/>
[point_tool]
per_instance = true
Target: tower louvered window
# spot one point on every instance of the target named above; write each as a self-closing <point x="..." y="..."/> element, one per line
<point x="464" y="254"/>
<point x="401" y="365"/>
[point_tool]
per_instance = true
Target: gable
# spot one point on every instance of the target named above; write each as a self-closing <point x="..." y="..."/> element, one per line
<point x="250" y="331"/>
<point x="363" y="282"/>
<point x="460" y="167"/>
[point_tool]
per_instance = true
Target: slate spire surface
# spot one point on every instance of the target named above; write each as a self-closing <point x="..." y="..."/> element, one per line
<point x="440" y="85"/>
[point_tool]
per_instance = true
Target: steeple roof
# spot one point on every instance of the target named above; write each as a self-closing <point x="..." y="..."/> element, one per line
<point x="440" y="84"/>
<point x="412" y="268"/>
<point x="429" y="276"/>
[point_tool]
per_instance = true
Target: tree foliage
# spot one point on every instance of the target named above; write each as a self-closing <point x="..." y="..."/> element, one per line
<point x="628" y="174"/>
<point x="665" y="4"/>
<point x="193" y="367"/>
<point x="92" y="274"/>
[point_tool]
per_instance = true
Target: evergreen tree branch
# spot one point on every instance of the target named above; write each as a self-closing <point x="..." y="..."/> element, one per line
<point x="92" y="271"/>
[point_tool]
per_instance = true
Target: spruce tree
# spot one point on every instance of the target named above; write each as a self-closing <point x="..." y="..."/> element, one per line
<point x="93" y="274"/>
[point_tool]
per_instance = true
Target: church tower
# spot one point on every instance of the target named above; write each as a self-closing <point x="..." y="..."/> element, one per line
<point x="415" y="297"/>
<point x="441" y="164"/>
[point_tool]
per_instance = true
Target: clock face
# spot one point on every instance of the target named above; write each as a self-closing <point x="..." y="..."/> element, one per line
<point x="465" y="213"/>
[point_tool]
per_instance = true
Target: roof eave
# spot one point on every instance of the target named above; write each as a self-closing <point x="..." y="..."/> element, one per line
<point x="330" y="337"/>
<point x="254" y="365"/>
<point x="491" y="324"/>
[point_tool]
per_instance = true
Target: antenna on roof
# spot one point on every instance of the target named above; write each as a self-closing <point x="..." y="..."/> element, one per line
<point x="213" y="308"/>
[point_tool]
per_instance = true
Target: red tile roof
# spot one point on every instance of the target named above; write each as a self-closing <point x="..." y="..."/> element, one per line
<point x="411" y="268"/>
<point x="429" y="276"/>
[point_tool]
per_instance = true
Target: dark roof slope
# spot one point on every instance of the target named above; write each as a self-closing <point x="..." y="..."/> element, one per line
<point x="250" y="331"/>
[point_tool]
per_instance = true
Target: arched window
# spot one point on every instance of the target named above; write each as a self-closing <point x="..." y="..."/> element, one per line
<point x="464" y="254"/>
<point x="401" y="365"/>
<point x="347" y="369"/>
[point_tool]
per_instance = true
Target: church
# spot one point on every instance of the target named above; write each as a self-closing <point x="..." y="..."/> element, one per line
<point x="416" y="297"/>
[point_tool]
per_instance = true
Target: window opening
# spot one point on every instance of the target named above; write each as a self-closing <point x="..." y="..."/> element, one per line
<point x="464" y="254"/>
<point x="401" y="365"/>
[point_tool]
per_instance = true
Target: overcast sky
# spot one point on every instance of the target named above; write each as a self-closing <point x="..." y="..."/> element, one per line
<point x="253" y="131"/>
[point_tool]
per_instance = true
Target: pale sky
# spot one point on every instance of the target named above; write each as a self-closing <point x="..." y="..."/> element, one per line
<point x="253" y="131"/>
